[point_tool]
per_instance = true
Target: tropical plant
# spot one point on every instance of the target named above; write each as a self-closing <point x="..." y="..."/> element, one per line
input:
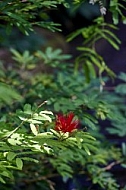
<point x="50" y="122"/>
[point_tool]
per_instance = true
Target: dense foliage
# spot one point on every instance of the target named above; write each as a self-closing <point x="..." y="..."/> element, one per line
<point x="53" y="108"/>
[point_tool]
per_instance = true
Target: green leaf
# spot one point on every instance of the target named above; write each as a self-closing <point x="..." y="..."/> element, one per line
<point x="122" y="76"/>
<point x="11" y="156"/>
<point x="27" y="109"/>
<point x="86" y="149"/>
<point x="91" y="69"/>
<point x="115" y="17"/>
<point x="124" y="148"/>
<point x="30" y="159"/>
<point x="43" y="117"/>
<point x="33" y="129"/>
<point x="2" y="180"/>
<point x="118" y="129"/>
<point x="79" y="141"/>
<point x="12" y="141"/>
<point x="121" y="89"/>
<point x="8" y="94"/>
<point x="86" y="72"/>
<point x="19" y="163"/>
<point x="7" y="173"/>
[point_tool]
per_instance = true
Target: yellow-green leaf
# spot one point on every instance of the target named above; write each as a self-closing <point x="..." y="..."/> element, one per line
<point x="19" y="163"/>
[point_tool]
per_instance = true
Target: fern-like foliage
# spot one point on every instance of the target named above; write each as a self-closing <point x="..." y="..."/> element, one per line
<point x="18" y="144"/>
<point x="89" y="59"/>
<point x="117" y="8"/>
<point x="23" y="14"/>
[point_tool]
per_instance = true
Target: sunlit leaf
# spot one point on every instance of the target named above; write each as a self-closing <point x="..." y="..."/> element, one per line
<point x="19" y="163"/>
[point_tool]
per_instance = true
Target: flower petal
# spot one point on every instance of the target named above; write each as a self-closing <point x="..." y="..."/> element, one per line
<point x="66" y="123"/>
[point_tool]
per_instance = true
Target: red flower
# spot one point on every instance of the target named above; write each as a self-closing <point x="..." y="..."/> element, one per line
<point x="66" y="123"/>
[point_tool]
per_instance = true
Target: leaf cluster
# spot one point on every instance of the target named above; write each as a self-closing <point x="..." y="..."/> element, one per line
<point x="66" y="92"/>
<point x="89" y="59"/>
<point x="24" y="14"/>
<point x="28" y="134"/>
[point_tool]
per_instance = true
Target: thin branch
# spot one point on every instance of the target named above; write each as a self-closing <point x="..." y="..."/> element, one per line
<point x="24" y="121"/>
<point x="108" y="167"/>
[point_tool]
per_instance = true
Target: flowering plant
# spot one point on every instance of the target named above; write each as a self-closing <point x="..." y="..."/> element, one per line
<point x="32" y="134"/>
<point x="66" y="123"/>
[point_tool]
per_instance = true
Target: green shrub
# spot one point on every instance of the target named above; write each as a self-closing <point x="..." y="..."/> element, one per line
<point x="50" y="121"/>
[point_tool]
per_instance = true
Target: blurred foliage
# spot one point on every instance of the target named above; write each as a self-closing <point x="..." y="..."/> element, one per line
<point x="64" y="92"/>
<point x="115" y="7"/>
<point x="26" y="42"/>
<point x="89" y="59"/>
<point x="24" y="14"/>
<point x="33" y="154"/>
